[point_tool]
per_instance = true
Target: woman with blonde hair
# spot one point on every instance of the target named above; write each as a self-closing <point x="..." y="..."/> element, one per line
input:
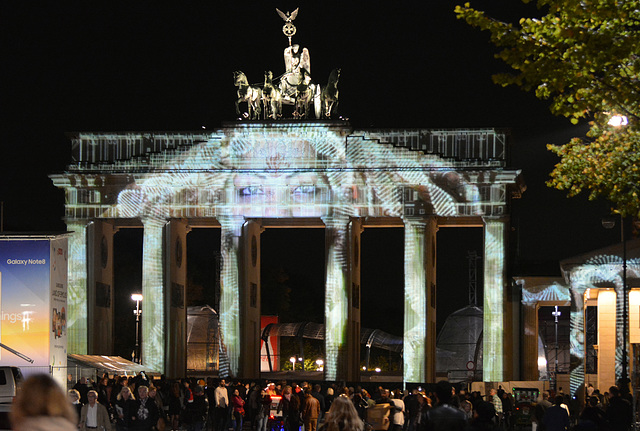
<point x="125" y="406"/>
<point x="41" y="405"/>
<point x="342" y="416"/>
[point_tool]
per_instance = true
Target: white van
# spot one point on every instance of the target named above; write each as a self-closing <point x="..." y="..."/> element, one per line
<point x="10" y="379"/>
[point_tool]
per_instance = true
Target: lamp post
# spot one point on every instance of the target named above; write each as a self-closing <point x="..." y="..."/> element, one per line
<point x="555" y="315"/>
<point x="137" y="312"/>
<point x="618" y="120"/>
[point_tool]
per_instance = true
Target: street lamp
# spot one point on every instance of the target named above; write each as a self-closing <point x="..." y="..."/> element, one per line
<point x="137" y="312"/>
<point x="555" y="315"/>
<point x="293" y="362"/>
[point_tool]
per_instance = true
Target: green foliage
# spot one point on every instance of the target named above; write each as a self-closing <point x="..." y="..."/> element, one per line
<point x="583" y="56"/>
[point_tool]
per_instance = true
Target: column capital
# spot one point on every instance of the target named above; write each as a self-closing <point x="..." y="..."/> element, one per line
<point x="335" y="220"/>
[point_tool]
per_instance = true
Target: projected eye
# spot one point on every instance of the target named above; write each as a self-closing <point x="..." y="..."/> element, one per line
<point x="304" y="190"/>
<point x="251" y="191"/>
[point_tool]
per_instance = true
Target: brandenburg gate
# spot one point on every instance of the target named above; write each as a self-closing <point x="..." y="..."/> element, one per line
<point x="252" y="175"/>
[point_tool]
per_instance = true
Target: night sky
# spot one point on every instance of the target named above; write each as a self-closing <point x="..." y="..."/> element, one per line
<point x="139" y="66"/>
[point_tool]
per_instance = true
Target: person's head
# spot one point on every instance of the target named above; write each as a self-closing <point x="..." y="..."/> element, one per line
<point x="330" y="391"/>
<point x="287" y="390"/>
<point x="492" y="392"/>
<point x="317" y="388"/>
<point x="236" y="392"/>
<point x="614" y="391"/>
<point x="343" y="415"/>
<point x="223" y="383"/>
<point x="92" y="396"/>
<point x="73" y="395"/>
<point x="152" y="391"/>
<point x="558" y="400"/>
<point x="593" y="401"/>
<point x="40" y="395"/>
<point x="143" y="392"/>
<point x="443" y="391"/>
<point x="199" y="390"/>
<point x="545" y="395"/>
<point x="484" y="412"/>
<point x="125" y="393"/>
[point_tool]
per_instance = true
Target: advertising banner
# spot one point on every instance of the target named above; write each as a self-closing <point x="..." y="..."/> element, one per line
<point x="273" y="345"/>
<point x="33" y="302"/>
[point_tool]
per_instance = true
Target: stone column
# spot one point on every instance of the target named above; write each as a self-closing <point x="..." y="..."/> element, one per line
<point x="353" y="338"/>
<point x="249" y="290"/>
<point x="153" y="303"/>
<point x="495" y="329"/>
<point x="337" y="292"/>
<point x="608" y="356"/>
<point x="229" y="313"/>
<point x="420" y="302"/>
<point x="530" y="341"/>
<point x="577" y="341"/>
<point x="175" y="297"/>
<point x="77" y="294"/>
<point x="100" y="287"/>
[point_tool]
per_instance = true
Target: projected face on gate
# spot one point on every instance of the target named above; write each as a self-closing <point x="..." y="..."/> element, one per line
<point x="277" y="195"/>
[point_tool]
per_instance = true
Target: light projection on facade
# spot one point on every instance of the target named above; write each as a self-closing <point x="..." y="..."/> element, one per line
<point x="600" y="271"/>
<point x="296" y="171"/>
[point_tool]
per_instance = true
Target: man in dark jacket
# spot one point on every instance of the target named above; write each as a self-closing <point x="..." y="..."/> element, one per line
<point x="556" y="417"/>
<point x="145" y="414"/>
<point x="196" y="410"/>
<point x="445" y="417"/>
<point x="619" y="412"/>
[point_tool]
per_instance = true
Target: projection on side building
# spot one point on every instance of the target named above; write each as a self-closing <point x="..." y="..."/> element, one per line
<point x="287" y="170"/>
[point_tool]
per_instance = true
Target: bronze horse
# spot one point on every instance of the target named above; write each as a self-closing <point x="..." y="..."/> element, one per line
<point x="249" y="94"/>
<point x="329" y="95"/>
<point x="271" y="97"/>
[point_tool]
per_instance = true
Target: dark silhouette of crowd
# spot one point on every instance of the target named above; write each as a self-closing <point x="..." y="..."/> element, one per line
<point x="140" y="403"/>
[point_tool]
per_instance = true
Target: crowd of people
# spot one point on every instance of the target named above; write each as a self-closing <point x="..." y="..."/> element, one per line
<point x="143" y="404"/>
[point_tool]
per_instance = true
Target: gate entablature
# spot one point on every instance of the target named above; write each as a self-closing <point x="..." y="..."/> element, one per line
<point x="289" y="170"/>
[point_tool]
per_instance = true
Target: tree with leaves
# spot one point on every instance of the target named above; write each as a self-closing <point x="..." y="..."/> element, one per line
<point x="583" y="56"/>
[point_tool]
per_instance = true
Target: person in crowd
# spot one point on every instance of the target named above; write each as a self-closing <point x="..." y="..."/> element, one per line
<point x="444" y="416"/>
<point x="619" y="412"/>
<point x="103" y="391"/>
<point x="328" y="398"/>
<point x="467" y="408"/>
<point x="292" y="406"/>
<point x="384" y="397"/>
<point x="237" y="404"/>
<point x="74" y="399"/>
<point x="41" y="405"/>
<point x="556" y="417"/>
<point x="310" y="411"/>
<point x="483" y="417"/>
<point x="397" y="419"/>
<point x="94" y="415"/>
<point x="264" y="410"/>
<point x="507" y="408"/>
<point x="342" y="416"/>
<point x="494" y="399"/>
<point x="175" y="406"/>
<point x="145" y="415"/>
<point x="82" y="386"/>
<point x="196" y="410"/>
<point x="221" y="396"/>
<point x="124" y="408"/>
<point x="411" y="408"/>
<point x="592" y="415"/>
<point x="156" y="398"/>
<point x="317" y="394"/>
